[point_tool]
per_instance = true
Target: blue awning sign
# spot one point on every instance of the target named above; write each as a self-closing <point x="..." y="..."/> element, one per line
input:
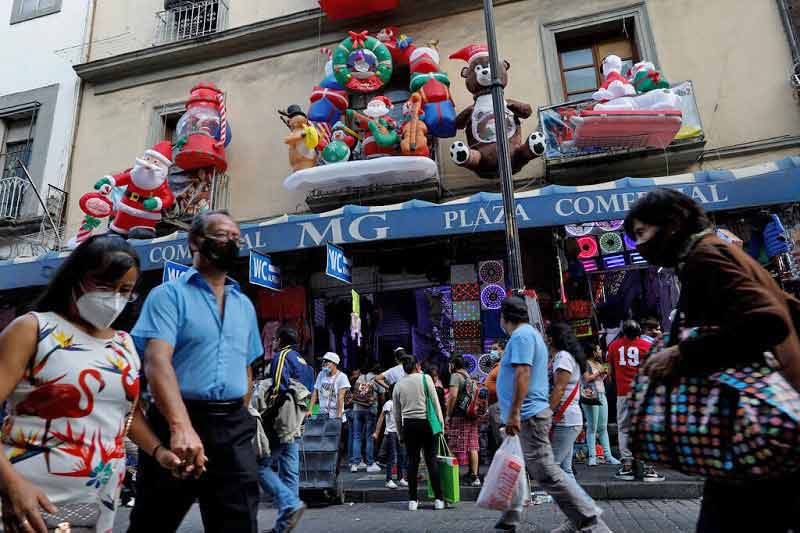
<point x="772" y="183"/>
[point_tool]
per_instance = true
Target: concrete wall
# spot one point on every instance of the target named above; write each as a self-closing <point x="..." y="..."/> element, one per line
<point x="38" y="53"/>
<point x="735" y="52"/>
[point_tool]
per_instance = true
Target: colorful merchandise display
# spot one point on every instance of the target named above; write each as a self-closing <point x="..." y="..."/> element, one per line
<point x="479" y="153"/>
<point x="384" y="136"/>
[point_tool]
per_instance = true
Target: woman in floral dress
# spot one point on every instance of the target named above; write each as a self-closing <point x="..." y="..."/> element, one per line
<point x="72" y="383"/>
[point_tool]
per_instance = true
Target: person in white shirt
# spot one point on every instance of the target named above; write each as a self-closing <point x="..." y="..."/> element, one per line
<point x="330" y="388"/>
<point x="396" y="454"/>
<point x="569" y="364"/>
<point x="394" y="374"/>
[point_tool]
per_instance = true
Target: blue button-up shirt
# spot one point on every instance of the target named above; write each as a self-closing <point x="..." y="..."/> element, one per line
<point x="211" y="353"/>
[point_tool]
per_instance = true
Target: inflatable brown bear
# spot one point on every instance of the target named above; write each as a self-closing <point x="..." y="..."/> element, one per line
<point x="480" y="155"/>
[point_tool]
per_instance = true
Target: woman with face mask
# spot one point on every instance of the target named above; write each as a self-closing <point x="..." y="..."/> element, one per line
<point x="72" y="384"/>
<point x="745" y="314"/>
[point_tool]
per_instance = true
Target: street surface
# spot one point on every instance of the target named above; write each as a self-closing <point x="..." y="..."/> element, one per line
<point x="622" y="516"/>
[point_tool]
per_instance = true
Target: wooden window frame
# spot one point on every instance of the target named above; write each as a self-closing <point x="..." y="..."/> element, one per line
<point x="594" y="44"/>
<point x="642" y="38"/>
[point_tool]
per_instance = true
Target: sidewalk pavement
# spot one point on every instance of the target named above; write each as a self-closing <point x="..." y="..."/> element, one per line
<point x="622" y="516"/>
<point x="598" y="481"/>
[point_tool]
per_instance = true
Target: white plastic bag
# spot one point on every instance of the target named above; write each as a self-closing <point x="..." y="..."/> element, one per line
<point x="502" y="481"/>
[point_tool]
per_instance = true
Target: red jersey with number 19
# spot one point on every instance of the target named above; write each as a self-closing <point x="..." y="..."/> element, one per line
<point x="624" y="357"/>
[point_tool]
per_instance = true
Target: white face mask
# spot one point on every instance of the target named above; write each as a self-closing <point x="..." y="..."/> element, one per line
<point x="101" y="309"/>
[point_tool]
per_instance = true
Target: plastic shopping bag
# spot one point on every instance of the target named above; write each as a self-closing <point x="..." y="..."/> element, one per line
<point x="502" y="481"/>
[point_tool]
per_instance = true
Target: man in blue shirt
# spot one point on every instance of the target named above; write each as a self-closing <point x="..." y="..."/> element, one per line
<point x="280" y="472"/>
<point x="522" y="391"/>
<point x="199" y="336"/>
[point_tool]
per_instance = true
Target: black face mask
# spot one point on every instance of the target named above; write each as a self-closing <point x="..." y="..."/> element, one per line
<point x="661" y="249"/>
<point x="221" y="254"/>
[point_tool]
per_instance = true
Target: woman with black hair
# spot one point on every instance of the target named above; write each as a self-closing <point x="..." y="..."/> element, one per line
<point x="745" y="314"/>
<point x="568" y="365"/>
<point x="72" y="383"/>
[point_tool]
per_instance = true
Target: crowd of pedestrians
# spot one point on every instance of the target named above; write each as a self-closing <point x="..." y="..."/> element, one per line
<point x="211" y="434"/>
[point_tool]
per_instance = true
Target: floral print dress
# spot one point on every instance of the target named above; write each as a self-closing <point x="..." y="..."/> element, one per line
<point x="67" y="416"/>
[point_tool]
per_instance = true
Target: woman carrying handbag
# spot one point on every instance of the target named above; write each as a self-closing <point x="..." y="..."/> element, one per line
<point x="714" y="379"/>
<point x="419" y="420"/>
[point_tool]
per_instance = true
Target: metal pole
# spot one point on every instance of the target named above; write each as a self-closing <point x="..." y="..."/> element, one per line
<point x="503" y="156"/>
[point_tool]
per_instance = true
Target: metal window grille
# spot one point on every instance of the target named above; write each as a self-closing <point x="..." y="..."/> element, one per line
<point x="191" y="19"/>
<point x="15" y="151"/>
<point x="12" y="197"/>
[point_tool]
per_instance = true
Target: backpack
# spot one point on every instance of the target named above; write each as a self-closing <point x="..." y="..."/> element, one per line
<point x="473" y="399"/>
<point x="363" y="394"/>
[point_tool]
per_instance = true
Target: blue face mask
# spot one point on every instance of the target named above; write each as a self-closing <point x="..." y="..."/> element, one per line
<point x="326" y="369"/>
<point x="495" y="355"/>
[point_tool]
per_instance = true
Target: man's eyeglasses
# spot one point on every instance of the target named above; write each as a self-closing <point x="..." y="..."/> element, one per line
<point x="222" y="237"/>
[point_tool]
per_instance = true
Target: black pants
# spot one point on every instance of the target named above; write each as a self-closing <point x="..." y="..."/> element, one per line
<point x="763" y="506"/>
<point x="418" y="437"/>
<point x="228" y="492"/>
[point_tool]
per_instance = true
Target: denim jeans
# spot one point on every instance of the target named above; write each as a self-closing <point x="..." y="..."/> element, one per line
<point x="396" y="456"/>
<point x="541" y="467"/>
<point x="563" y="442"/>
<point x="597" y="426"/>
<point x="279" y="475"/>
<point x="363" y="427"/>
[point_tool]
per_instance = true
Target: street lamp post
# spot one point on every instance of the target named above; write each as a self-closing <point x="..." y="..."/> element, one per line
<point x="504" y="164"/>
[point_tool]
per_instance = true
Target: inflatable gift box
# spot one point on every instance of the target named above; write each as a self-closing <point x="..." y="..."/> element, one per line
<point x="440" y="117"/>
<point x="434" y="91"/>
<point x="327" y="105"/>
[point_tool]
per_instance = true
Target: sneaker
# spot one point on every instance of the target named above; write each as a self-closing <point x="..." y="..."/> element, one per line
<point x="353" y="469"/>
<point x="412" y="505"/>
<point x="591" y="461"/>
<point x="403" y="483"/>
<point x="438" y="505"/>
<point x="294" y="517"/>
<point x="476" y="482"/>
<point x="599" y="526"/>
<point x="362" y="465"/>
<point x="373" y="468"/>
<point x="565" y="527"/>
<point x="391" y="484"/>
<point x="625" y="473"/>
<point x="651" y="476"/>
<point x="131" y="502"/>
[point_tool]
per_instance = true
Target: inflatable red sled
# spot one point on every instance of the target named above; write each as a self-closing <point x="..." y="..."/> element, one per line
<point x="627" y="129"/>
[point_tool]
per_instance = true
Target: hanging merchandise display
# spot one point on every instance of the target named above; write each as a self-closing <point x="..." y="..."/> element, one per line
<point x="470" y="364"/>
<point x="491" y="272"/>
<point x="466" y="311"/>
<point x="385" y="143"/>
<point x="610" y="225"/>
<point x="479" y="153"/>
<point x="587" y="247"/>
<point x="202" y="132"/>
<point x="578" y="230"/>
<point x="611" y="243"/>
<point x="466" y="292"/>
<point x="492" y="296"/>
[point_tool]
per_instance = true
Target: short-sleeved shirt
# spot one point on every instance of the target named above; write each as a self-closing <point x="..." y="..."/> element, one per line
<point x="366" y="379"/>
<point x="572" y="413"/>
<point x="328" y="388"/>
<point x="525" y="347"/>
<point x="624" y="357"/>
<point x="457" y="379"/>
<point x="394" y="374"/>
<point x="211" y="353"/>
<point x="388" y="416"/>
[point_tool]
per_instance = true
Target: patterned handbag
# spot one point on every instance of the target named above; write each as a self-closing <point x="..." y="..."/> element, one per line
<point x="741" y="423"/>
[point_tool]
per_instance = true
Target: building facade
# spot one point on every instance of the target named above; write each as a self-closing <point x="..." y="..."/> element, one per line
<point x="40" y="42"/>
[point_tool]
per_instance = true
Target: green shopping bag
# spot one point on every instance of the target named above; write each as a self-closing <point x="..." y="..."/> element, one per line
<point x="448" y="473"/>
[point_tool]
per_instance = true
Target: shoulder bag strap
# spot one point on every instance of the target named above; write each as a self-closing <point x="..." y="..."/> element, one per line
<point x="279" y="371"/>
<point x="557" y="417"/>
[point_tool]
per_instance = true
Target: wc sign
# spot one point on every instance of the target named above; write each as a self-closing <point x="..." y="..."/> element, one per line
<point x="263" y="273"/>
<point x="173" y="270"/>
<point x="338" y="266"/>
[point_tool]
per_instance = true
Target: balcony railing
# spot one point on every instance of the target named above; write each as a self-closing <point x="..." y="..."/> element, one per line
<point x="13" y="191"/>
<point x="188" y="20"/>
<point x="567" y="162"/>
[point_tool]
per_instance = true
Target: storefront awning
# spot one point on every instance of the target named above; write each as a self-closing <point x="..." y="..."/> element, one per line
<point x="771" y="183"/>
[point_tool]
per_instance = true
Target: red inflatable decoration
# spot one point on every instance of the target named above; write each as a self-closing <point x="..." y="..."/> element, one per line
<point x="202" y="130"/>
<point x="344" y="9"/>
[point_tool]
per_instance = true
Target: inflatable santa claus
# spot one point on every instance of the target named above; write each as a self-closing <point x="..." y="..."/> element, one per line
<point x="147" y="193"/>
